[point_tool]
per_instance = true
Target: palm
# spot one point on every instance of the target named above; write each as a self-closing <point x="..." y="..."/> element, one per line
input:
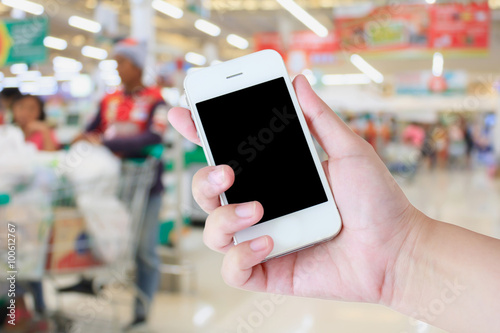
<point x="353" y="265"/>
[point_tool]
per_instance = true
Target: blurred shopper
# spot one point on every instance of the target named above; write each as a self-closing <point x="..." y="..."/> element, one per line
<point x="128" y="121"/>
<point x="28" y="113"/>
<point x="414" y="135"/>
<point x="469" y="143"/>
<point x="441" y="142"/>
<point x="388" y="252"/>
<point x="429" y="148"/>
<point x="371" y="132"/>
<point x="7" y="95"/>
<point x="457" y="148"/>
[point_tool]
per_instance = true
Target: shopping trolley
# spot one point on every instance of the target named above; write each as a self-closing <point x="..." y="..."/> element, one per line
<point x="55" y="243"/>
<point x="402" y="160"/>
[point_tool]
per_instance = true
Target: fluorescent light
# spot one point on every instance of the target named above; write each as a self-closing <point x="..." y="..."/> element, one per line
<point x="66" y="65"/>
<point x="94" y="52"/>
<point x="107" y="75"/>
<point x="55" y="43"/>
<point x="28" y="88"/>
<point x="18" y="68"/>
<point x="344" y="79"/>
<point x="114" y="81"/>
<point x="430" y="2"/>
<point x="10" y="82"/>
<point x="304" y="17"/>
<point x="195" y="58"/>
<point x="65" y="76"/>
<point x="27" y="6"/>
<point x="366" y="68"/>
<point x="193" y="69"/>
<point x="207" y="27"/>
<point x="84" y="24"/>
<point x="108" y="65"/>
<point x="167" y="9"/>
<point x="437" y="64"/>
<point x="29" y="76"/>
<point x="310" y="76"/>
<point x="237" y="41"/>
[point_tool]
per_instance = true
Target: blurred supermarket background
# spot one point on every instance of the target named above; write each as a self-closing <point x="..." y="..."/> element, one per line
<point x="419" y="80"/>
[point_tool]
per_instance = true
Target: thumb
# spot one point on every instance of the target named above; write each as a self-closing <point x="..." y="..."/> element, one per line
<point x="336" y="138"/>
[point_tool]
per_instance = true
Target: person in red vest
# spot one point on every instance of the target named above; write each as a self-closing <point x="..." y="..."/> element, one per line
<point x="129" y="120"/>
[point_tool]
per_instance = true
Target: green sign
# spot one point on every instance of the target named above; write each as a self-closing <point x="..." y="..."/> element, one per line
<point x="22" y="41"/>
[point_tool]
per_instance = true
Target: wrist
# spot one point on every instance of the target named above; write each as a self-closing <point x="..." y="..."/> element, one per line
<point x="403" y="276"/>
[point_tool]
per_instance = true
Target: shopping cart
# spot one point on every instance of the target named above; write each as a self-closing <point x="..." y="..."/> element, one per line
<point x="56" y="244"/>
<point x="402" y="160"/>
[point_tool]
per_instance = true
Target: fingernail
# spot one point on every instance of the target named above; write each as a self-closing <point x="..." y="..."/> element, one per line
<point x="245" y="210"/>
<point x="258" y="244"/>
<point x="216" y="177"/>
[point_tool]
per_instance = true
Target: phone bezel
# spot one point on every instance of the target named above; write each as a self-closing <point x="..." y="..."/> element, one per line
<point x="293" y="231"/>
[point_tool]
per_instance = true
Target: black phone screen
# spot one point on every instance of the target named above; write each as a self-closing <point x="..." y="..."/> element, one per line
<point x="257" y="132"/>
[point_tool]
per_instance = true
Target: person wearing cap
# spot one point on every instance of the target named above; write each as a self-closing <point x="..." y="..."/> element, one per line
<point x="129" y="120"/>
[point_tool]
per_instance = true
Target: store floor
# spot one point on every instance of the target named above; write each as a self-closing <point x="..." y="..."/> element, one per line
<point x="466" y="198"/>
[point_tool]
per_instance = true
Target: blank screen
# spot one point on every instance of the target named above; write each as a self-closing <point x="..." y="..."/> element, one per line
<point x="257" y="132"/>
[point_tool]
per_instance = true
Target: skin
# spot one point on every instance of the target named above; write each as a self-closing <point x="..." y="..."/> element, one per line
<point x="26" y="113"/>
<point x="388" y="252"/>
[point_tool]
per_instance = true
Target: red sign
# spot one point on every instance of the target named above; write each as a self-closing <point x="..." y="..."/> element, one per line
<point x="313" y="46"/>
<point x="398" y="27"/>
<point x="385" y="28"/>
<point x="459" y="26"/>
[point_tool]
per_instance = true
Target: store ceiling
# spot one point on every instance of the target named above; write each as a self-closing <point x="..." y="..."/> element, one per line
<point x="175" y="37"/>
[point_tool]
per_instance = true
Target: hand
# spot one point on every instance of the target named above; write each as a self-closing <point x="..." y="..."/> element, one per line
<point x="92" y="137"/>
<point x="36" y="126"/>
<point x="357" y="265"/>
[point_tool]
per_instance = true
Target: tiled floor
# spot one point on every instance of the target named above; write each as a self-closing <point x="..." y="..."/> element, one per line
<point x="466" y="198"/>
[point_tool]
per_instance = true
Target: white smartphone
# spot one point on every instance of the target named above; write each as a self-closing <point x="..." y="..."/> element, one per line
<point x="248" y="117"/>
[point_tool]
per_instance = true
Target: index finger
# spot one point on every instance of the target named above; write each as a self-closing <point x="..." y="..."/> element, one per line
<point x="181" y="120"/>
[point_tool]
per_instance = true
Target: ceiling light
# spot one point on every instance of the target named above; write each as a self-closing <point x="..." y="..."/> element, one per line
<point x="18" y="68"/>
<point x="237" y="41"/>
<point x="344" y="79"/>
<point x="108" y="65"/>
<point x="10" y="82"/>
<point x="430" y="2"/>
<point x="310" y="76"/>
<point x="65" y="76"/>
<point x="55" y="43"/>
<point x="304" y="17"/>
<point x="84" y="24"/>
<point x="114" y="81"/>
<point x="366" y="68"/>
<point x="94" y="52"/>
<point x="66" y="65"/>
<point x="27" y="6"/>
<point x="207" y="27"/>
<point x="167" y="9"/>
<point x="29" y="76"/>
<point x="437" y="64"/>
<point x="195" y="58"/>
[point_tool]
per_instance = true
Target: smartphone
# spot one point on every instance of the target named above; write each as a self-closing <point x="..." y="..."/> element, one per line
<point x="248" y="117"/>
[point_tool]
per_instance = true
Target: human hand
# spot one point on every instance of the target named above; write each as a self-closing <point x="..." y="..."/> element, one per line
<point x="379" y="223"/>
<point x="36" y="126"/>
<point x="92" y="137"/>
